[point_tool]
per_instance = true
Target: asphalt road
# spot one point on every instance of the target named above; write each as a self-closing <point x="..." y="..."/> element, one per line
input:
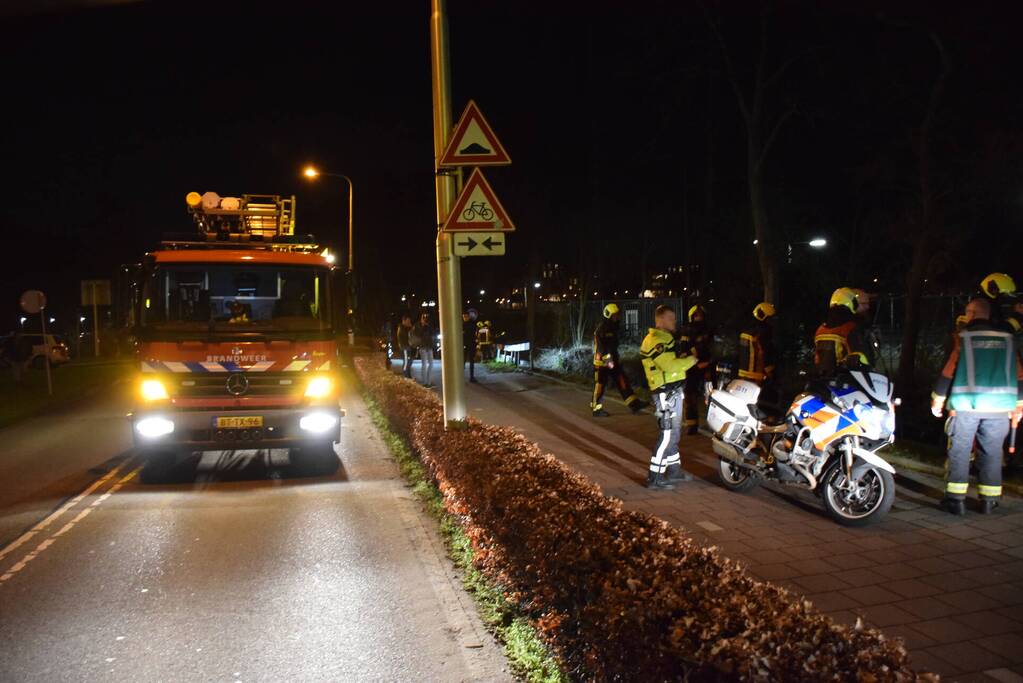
<point x="243" y="570"/>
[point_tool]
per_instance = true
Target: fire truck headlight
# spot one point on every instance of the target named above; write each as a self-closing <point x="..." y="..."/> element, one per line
<point x="152" y="427"/>
<point x="319" y="387"/>
<point x="317" y="423"/>
<point x="153" y="390"/>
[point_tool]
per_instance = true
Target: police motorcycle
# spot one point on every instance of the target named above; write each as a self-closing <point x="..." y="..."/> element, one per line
<point x="827" y="442"/>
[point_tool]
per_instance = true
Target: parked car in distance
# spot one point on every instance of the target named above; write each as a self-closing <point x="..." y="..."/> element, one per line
<point x="58" y="349"/>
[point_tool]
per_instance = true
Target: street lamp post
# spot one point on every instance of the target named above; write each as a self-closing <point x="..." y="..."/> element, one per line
<point x="312" y="173"/>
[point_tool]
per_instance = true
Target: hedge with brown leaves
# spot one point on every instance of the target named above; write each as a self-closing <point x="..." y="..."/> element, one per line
<point x="618" y="595"/>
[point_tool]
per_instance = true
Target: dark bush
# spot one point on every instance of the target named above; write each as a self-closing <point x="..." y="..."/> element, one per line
<point x="619" y="595"/>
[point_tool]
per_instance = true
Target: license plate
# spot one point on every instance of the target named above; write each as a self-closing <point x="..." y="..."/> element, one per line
<point x="240" y="422"/>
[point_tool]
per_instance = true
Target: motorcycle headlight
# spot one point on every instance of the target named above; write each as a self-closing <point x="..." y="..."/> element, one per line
<point x="153" y="390"/>
<point x="319" y="387"/>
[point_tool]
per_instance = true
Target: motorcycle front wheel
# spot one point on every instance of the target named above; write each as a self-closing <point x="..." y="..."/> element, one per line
<point x="864" y="500"/>
<point x="735" y="477"/>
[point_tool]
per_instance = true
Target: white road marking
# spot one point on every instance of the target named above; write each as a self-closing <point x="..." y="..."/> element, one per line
<point x="67" y="527"/>
<point x="41" y="526"/>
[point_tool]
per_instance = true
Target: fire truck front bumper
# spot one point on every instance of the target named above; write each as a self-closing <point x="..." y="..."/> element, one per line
<point x="292" y="427"/>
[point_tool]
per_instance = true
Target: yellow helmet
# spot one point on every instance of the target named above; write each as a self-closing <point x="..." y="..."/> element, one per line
<point x="763" y="311"/>
<point x="610" y="310"/>
<point x="998" y="283"/>
<point x="845" y="296"/>
<point x="693" y="310"/>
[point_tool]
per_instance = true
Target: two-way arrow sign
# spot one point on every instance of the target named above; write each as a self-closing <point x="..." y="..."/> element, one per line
<point x="479" y="244"/>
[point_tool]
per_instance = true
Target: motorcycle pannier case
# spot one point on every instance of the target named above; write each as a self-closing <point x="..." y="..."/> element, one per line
<point x="731" y="404"/>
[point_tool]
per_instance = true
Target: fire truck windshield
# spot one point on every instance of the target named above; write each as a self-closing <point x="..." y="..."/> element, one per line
<point x="230" y="299"/>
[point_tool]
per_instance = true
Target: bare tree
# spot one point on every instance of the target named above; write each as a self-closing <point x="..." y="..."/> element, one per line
<point x="927" y="223"/>
<point x="762" y="128"/>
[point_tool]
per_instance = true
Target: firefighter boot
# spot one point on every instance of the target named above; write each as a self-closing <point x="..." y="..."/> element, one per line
<point x="658" y="481"/>
<point x="600" y="412"/>
<point x="676" y="473"/>
<point x="955" y="506"/>
<point x="988" y="504"/>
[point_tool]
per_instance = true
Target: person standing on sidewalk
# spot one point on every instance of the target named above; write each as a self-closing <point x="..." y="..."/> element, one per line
<point x="469" y="340"/>
<point x="607" y="365"/>
<point x="697" y="338"/>
<point x="422" y="336"/>
<point x="982" y="380"/>
<point x="405" y="345"/>
<point x="665" y="364"/>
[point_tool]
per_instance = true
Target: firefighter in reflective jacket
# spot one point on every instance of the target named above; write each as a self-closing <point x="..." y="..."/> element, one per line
<point x="665" y="364"/>
<point x="756" y="346"/>
<point x="981" y="381"/>
<point x="696" y="338"/>
<point x="838" y="341"/>
<point x="607" y="366"/>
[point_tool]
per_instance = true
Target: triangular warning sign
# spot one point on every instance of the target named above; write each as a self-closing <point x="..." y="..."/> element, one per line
<point x="473" y="143"/>
<point x="477" y="208"/>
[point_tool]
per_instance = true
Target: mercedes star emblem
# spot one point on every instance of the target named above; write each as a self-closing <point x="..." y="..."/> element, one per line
<point x="237" y="384"/>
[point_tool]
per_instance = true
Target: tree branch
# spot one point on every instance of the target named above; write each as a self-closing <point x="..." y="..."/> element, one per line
<point x="774" y="134"/>
<point x="729" y="68"/>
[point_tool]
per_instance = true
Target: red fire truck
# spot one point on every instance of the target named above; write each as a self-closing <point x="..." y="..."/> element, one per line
<point x="236" y="338"/>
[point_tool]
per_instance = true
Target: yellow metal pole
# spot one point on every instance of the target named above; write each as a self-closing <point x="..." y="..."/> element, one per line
<point x="351" y="243"/>
<point x="95" y="322"/>
<point x="449" y="275"/>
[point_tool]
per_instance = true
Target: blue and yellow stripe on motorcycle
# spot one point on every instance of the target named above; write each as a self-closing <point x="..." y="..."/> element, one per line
<point x="825" y="422"/>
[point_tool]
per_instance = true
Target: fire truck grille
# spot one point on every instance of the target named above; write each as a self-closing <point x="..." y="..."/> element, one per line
<point x="258" y="384"/>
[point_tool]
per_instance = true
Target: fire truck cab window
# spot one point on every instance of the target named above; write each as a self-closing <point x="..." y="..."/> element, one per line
<point x="229" y="297"/>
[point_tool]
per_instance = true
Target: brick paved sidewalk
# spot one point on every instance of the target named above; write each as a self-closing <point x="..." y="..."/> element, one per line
<point x="952" y="588"/>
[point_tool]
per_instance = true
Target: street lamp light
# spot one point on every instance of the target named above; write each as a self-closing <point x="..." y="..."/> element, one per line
<point x="312" y="173"/>
<point x="815" y="243"/>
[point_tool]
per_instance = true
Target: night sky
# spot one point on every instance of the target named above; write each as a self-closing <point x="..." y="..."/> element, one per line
<point x="627" y="144"/>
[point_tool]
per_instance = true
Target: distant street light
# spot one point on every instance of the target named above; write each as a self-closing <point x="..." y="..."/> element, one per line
<point x="536" y="285"/>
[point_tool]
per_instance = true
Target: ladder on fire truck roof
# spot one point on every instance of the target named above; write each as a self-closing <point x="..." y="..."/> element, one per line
<point x="252" y="221"/>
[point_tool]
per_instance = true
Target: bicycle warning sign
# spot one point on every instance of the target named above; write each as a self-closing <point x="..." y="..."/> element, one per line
<point x="477" y="208"/>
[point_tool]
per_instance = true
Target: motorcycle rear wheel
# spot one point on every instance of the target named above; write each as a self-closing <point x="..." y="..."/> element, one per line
<point x="736" y="478"/>
<point x="867" y="504"/>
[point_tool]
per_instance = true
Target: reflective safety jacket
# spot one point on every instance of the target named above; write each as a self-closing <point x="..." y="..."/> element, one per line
<point x="983" y="373"/>
<point x="838" y="341"/>
<point x="605" y="343"/>
<point x="661" y="361"/>
<point x="756" y="352"/>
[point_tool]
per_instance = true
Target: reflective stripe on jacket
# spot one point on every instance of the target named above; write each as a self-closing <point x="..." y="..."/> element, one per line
<point x="661" y="364"/>
<point x="985" y="378"/>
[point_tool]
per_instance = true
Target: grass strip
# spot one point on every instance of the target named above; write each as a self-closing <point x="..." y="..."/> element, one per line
<point x="500" y="366"/>
<point x="71" y="382"/>
<point x="528" y="656"/>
